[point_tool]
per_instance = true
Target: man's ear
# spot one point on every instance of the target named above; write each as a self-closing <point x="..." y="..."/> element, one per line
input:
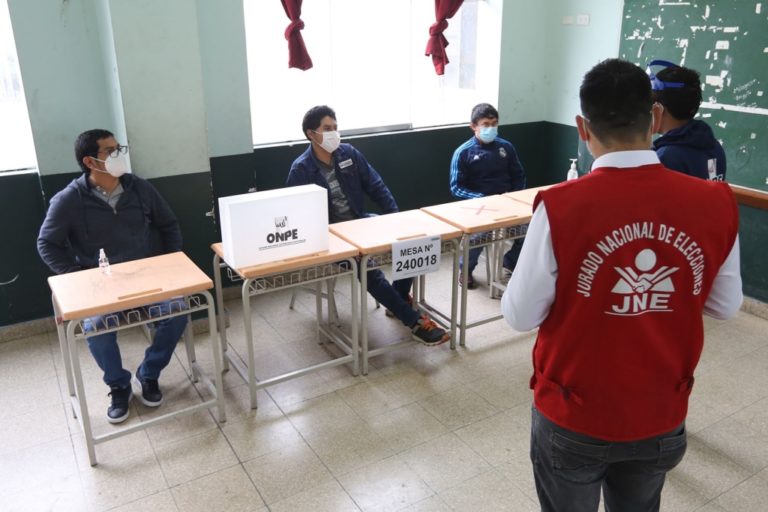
<point x="88" y="161"/>
<point x="581" y="126"/>
<point x="657" y="113"/>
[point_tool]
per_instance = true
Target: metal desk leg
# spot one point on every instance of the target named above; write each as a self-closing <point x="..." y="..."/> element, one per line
<point x="79" y="398"/>
<point x="189" y="345"/>
<point x="319" y="310"/>
<point x="220" y="306"/>
<point x="332" y="310"/>
<point x="355" y="299"/>
<point x="454" y="291"/>
<point x="249" y="341"/>
<point x="465" y="258"/>
<point x="61" y="331"/>
<point x="364" y="312"/>
<point x="217" y="357"/>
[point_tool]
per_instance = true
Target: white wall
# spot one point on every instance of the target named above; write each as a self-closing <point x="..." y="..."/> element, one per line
<point x="158" y="60"/>
<point x="543" y="60"/>
<point x="523" y="77"/>
<point x="574" y="49"/>
<point x="225" y="76"/>
<point x="60" y="58"/>
<point x="169" y="78"/>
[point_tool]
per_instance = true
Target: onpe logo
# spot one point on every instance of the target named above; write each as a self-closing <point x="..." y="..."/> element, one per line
<point x="282" y="231"/>
<point x="645" y="291"/>
<point x="281" y="223"/>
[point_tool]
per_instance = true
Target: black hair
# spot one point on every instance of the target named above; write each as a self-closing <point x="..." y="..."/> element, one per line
<point x="681" y="102"/>
<point x="87" y="144"/>
<point x="483" y="110"/>
<point x="616" y="100"/>
<point x="314" y="117"/>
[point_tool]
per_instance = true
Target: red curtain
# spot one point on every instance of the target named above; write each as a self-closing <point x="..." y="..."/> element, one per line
<point x="297" y="52"/>
<point x="444" y="10"/>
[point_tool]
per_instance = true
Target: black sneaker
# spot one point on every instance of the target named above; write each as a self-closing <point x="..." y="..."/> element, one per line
<point x="151" y="396"/>
<point x="391" y="314"/>
<point x="428" y="332"/>
<point x="119" y="408"/>
<point x="470" y="281"/>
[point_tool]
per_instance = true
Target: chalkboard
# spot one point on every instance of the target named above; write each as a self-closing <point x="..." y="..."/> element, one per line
<point x="726" y="41"/>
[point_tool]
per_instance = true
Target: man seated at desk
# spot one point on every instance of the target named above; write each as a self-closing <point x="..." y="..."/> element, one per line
<point x="348" y="177"/>
<point x="486" y="165"/>
<point x="109" y="208"/>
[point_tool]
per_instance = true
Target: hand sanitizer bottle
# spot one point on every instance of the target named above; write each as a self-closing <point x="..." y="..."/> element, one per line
<point x="104" y="263"/>
<point x="573" y="173"/>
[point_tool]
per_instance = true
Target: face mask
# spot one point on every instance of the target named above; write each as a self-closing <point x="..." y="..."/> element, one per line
<point x="488" y="133"/>
<point x="331" y="141"/>
<point x="116" y="166"/>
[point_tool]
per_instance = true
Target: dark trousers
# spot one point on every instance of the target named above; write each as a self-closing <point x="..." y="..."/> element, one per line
<point x="570" y="469"/>
<point x="106" y="352"/>
<point x="393" y="296"/>
<point x="510" y="257"/>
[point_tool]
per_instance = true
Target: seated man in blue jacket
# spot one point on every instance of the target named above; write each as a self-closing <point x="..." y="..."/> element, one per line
<point x="686" y="145"/>
<point x="109" y="208"/>
<point x="486" y="165"/>
<point x="348" y="177"/>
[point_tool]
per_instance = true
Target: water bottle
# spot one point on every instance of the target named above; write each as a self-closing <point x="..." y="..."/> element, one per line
<point x="104" y="263"/>
<point x="573" y="173"/>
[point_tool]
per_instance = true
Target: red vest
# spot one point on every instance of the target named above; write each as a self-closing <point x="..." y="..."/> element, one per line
<point x="637" y="251"/>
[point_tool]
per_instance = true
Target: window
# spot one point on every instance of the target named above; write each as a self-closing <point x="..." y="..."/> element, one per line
<point x="17" y="150"/>
<point x="369" y="65"/>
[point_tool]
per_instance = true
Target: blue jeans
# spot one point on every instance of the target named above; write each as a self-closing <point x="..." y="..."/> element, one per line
<point x="510" y="257"/>
<point x="393" y="296"/>
<point x="570" y="469"/>
<point x="106" y="352"/>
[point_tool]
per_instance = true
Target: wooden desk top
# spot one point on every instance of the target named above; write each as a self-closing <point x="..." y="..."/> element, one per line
<point x="482" y="214"/>
<point x="131" y="284"/>
<point x="526" y="196"/>
<point x="373" y="235"/>
<point x="338" y="250"/>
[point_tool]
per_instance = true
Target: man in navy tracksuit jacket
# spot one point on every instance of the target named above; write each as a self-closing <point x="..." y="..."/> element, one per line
<point x="687" y="145"/>
<point x="124" y="215"/>
<point x="486" y="165"/>
<point x="348" y="177"/>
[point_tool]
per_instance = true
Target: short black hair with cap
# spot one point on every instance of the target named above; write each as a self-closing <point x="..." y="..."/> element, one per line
<point x="681" y="102"/>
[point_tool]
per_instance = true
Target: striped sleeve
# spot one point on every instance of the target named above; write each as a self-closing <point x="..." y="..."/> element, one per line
<point x="458" y="175"/>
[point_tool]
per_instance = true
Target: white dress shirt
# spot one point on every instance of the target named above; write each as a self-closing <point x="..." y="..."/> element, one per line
<point x="531" y="290"/>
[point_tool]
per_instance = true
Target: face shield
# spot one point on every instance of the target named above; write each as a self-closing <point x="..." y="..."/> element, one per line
<point x="657" y="84"/>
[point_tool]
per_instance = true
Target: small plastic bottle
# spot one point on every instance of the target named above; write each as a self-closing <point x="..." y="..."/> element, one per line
<point x="573" y="173"/>
<point x="104" y="263"/>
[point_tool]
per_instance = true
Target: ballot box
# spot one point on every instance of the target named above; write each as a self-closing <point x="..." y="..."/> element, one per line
<point x="263" y="227"/>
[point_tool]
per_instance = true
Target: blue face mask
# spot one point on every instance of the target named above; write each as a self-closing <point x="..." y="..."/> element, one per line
<point x="488" y="133"/>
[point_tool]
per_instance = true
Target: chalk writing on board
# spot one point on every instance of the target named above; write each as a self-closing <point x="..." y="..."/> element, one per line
<point x="725" y="42"/>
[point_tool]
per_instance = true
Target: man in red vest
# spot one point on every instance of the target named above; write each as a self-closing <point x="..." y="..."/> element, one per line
<point x="616" y="271"/>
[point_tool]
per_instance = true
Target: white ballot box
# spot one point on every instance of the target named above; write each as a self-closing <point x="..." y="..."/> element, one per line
<point x="273" y="225"/>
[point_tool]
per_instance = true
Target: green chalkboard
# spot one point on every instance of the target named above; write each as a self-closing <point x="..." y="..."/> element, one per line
<point x="727" y="42"/>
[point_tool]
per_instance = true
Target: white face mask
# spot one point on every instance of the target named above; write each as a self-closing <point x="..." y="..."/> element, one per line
<point x="330" y="141"/>
<point x="116" y="165"/>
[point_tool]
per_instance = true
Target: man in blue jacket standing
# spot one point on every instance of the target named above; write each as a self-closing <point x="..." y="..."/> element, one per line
<point x="686" y="145"/>
<point x="108" y="208"/>
<point x="486" y="165"/>
<point x="348" y="177"/>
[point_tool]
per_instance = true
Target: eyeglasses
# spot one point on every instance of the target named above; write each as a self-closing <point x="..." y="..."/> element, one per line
<point x="121" y="150"/>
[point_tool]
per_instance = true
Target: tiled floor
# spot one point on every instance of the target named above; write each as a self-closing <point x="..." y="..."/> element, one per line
<point x="429" y="429"/>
